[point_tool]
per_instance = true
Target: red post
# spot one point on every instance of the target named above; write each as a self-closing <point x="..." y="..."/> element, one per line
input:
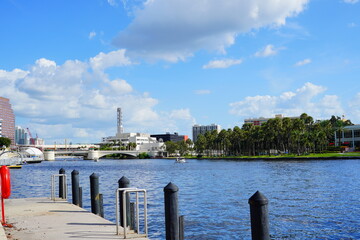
<point x="3" y="221"/>
<point x="5" y="187"/>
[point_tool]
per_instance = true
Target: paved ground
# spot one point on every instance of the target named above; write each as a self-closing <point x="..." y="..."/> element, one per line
<point x="44" y="219"/>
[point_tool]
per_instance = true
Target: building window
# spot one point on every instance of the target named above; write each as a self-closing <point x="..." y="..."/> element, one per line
<point x="348" y="134"/>
<point x="356" y="133"/>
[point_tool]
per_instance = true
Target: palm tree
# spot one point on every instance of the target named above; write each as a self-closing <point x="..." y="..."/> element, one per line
<point x="200" y="144"/>
<point x="236" y="139"/>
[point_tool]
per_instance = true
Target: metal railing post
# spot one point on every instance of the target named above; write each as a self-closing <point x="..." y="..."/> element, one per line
<point x="63" y="186"/>
<point x="125" y="193"/>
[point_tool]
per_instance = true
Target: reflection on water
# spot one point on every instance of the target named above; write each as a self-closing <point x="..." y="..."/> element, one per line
<point x="307" y="200"/>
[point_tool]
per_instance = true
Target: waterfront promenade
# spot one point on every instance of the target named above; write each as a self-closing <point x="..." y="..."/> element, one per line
<point x="44" y="219"/>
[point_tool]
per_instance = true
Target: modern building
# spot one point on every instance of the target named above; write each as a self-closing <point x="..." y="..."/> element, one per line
<point x="120" y="128"/>
<point x="259" y="121"/>
<point x="21" y="136"/>
<point x="202" y="129"/>
<point x="349" y="136"/>
<point x="144" y="142"/>
<point x="8" y="120"/>
<point x="170" y="137"/>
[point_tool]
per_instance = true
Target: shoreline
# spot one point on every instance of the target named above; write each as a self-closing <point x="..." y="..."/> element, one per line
<point x="273" y="158"/>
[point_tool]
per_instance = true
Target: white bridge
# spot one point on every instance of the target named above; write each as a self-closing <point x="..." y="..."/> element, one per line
<point x="95" y="154"/>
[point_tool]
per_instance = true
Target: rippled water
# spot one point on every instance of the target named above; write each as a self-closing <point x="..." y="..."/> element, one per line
<point x="307" y="199"/>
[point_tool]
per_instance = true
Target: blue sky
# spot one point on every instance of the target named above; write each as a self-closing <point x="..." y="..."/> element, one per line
<point x="67" y="65"/>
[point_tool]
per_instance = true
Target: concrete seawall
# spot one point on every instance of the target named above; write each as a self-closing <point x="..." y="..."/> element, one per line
<point x="44" y="219"/>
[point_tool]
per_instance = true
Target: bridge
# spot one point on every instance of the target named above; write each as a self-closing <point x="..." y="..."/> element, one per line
<point x="50" y="155"/>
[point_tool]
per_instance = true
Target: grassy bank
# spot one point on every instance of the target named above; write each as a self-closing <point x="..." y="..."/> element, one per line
<point x="334" y="155"/>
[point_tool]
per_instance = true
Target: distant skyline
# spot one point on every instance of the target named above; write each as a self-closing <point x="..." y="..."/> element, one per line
<point x="66" y="66"/>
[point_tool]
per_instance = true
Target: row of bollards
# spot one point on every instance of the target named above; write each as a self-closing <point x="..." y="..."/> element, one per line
<point x="95" y="197"/>
<point x="174" y="224"/>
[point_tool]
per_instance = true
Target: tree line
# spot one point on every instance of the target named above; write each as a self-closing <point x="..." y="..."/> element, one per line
<point x="278" y="135"/>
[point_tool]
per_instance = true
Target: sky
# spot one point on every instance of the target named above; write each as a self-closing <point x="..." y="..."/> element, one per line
<point x="67" y="65"/>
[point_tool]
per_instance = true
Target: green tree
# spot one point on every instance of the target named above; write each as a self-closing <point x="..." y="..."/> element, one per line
<point x="182" y="147"/>
<point x="200" y="144"/>
<point x="171" y="147"/>
<point x="4" y="141"/>
<point x="190" y="145"/>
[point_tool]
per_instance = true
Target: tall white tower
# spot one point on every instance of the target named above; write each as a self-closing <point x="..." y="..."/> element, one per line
<point x="120" y="128"/>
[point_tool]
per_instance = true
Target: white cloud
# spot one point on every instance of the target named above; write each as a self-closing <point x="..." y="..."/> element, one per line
<point x="173" y="30"/>
<point x="351" y="1"/>
<point x="13" y="75"/>
<point x="119" y="86"/>
<point x="309" y="98"/>
<point x="267" y="51"/>
<point x="225" y="63"/>
<point x="92" y="35"/>
<point x="112" y="59"/>
<point x="303" y="62"/>
<point x="352" y="25"/>
<point x="183" y="114"/>
<point x="112" y="3"/>
<point x="202" y="91"/>
<point x="77" y="100"/>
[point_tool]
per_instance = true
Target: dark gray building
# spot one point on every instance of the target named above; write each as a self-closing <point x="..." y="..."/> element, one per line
<point x="170" y="137"/>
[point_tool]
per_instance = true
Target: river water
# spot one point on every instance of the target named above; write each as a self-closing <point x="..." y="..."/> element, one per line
<point x="307" y="199"/>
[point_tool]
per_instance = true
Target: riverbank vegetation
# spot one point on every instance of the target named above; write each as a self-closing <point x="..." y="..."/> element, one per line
<point x="277" y="137"/>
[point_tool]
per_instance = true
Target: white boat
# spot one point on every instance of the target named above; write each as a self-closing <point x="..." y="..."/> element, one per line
<point x="24" y="156"/>
<point x="180" y="160"/>
<point x="10" y="158"/>
<point x="31" y="155"/>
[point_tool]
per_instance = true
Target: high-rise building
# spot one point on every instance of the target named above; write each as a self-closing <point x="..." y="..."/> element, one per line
<point x="120" y="128"/>
<point x="0" y="128"/>
<point x="21" y="136"/>
<point x="202" y="129"/>
<point x="8" y="120"/>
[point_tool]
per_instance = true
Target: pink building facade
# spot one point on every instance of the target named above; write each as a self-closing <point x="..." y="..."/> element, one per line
<point x="7" y="119"/>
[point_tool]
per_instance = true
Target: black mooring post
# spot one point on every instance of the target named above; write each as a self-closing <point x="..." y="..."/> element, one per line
<point x="124" y="182"/>
<point x="75" y="187"/>
<point x="80" y="197"/>
<point x="101" y="203"/>
<point x="259" y="217"/>
<point x="171" y="212"/>
<point x="181" y="227"/>
<point x="94" y="194"/>
<point x="61" y="184"/>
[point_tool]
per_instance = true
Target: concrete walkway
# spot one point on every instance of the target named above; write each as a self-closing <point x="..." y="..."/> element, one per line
<point x="44" y="219"/>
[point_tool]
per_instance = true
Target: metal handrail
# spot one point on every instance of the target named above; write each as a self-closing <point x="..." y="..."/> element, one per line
<point x="53" y="186"/>
<point x="124" y="194"/>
